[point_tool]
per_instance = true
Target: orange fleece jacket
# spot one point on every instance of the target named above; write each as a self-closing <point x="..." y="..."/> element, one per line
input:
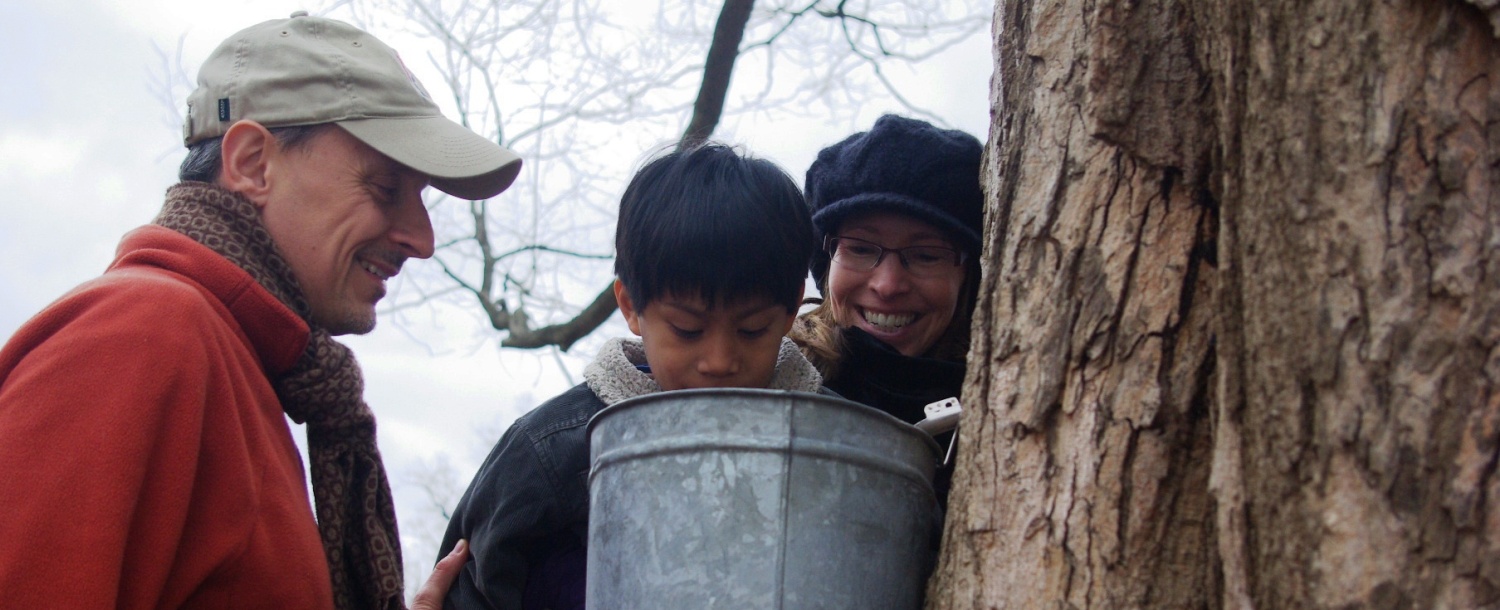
<point x="144" y="458"/>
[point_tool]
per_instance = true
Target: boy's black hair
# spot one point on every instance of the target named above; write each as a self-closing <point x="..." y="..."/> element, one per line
<point x="710" y="221"/>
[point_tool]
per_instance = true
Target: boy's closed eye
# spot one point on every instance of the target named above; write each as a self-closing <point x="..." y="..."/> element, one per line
<point x="754" y="333"/>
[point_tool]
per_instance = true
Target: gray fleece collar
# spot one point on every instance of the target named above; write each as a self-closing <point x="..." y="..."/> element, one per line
<point x="613" y="375"/>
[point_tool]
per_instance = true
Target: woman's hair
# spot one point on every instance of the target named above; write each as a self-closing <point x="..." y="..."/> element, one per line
<point x="819" y="337"/>
<point x="713" y="222"/>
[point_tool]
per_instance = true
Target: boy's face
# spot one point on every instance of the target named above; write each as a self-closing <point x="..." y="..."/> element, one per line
<point x="692" y="344"/>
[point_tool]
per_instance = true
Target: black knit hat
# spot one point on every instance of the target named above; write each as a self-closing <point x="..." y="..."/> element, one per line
<point x="900" y="165"/>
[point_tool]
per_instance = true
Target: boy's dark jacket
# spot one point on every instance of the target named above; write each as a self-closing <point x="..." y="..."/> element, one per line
<point x="526" y="513"/>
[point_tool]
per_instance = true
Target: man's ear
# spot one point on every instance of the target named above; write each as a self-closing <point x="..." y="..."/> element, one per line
<point x="246" y="158"/>
<point x="627" y="308"/>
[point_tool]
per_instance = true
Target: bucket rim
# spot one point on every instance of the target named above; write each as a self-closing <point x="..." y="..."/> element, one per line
<point x="864" y="409"/>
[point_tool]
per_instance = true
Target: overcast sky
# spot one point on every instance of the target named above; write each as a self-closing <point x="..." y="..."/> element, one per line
<point x="87" y="148"/>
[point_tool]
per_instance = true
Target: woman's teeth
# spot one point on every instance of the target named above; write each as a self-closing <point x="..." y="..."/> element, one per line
<point x="890" y="321"/>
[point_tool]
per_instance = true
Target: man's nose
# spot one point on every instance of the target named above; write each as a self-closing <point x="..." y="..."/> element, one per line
<point x="412" y="229"/>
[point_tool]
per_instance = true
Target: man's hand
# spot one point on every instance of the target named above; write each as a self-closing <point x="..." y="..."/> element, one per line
<point x="430" y="596"/>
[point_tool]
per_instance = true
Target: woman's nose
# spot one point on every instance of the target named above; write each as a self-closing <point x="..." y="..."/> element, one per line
<point x="889" y="277"/>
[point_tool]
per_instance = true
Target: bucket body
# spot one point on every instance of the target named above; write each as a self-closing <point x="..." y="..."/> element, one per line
<point x="740" y="498"/>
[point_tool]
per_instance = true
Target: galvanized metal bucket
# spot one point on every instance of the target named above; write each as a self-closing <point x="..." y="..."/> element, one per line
<point x="740" y="498"/>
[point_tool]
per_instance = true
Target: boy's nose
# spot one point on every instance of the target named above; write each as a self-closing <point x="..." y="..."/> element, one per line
<point x="718" y="360"/>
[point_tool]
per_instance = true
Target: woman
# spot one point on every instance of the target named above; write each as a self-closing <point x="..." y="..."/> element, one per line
<point x="897" y="210"/>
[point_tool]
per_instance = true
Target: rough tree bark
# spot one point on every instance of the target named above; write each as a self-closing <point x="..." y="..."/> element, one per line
<point x="1239" y="343"/>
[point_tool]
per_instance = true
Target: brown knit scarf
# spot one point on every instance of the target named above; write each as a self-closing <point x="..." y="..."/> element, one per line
<point x="324" y="390"/>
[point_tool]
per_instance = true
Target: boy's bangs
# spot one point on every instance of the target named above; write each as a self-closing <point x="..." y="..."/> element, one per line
<point x="711" y="223"/>
<point x="739" y="266"/>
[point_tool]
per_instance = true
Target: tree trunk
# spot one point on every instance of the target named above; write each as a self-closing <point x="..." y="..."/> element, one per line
<point x="1237" y="345"/>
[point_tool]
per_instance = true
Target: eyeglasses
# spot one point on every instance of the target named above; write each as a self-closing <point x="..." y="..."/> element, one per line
<point x="861" y="255"/>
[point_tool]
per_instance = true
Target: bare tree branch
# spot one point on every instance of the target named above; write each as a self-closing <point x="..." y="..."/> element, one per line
<point x="571" y="79"/>
<point x="717" y="70"/>
<point x="565" y="334"/>
<point x="546" y="248"/>
<point x="707" y="110"/>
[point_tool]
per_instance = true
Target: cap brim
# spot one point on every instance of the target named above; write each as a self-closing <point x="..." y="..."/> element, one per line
<point x="457" y="161"/>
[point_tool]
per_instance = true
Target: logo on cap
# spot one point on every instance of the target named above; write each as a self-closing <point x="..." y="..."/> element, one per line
<point x="412" y="78"/>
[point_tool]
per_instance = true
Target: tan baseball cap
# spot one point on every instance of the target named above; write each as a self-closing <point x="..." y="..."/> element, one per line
<point x="312" y="70"/>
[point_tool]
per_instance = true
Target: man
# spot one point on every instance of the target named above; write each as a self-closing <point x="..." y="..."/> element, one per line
<point x="145" y="461"/>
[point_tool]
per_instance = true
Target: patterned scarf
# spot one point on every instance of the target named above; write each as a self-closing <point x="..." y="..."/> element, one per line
<point x="324" y="390"/>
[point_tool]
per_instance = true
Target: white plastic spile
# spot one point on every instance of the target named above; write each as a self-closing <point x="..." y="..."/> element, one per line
<point x="942" y="416"/>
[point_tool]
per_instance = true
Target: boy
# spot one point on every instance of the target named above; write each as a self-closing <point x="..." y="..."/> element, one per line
<point x="712" y="251"/>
